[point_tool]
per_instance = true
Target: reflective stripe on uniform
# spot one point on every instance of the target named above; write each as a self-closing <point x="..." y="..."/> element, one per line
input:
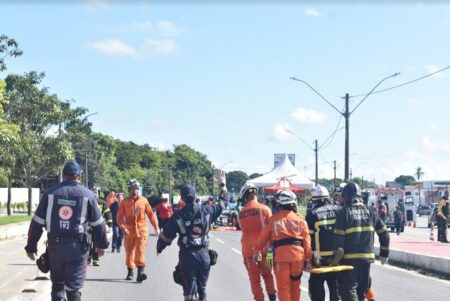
<point x="182" y="230"/>
<point x="311" y="232"/>
<point x="326" y="253"/>
<point x="83" y="216"/>
<point x="384" y="248"/>
<point x="261" y="218"/>
<point x="360" y="256"/>
<point x="382" y="230"/>
<point x="354" y="230"/>
<point x="48" y="216"/>
<point x="97" y="222"/>
<point x="39" y="220"/>
<point x="164" y="238"/>
<point x="181" y="225"/>
<point x="317" y="235"/>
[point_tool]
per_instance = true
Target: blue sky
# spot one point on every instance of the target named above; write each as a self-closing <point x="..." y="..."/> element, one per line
<point x="217" y="77"/>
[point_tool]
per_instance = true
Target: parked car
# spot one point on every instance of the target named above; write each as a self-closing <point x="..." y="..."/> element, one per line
<point x="424" y="210"/>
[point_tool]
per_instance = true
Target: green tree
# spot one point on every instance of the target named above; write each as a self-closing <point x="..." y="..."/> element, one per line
<point x="254" y="175"/>
<point x="8" y="47"/>
<point x="235" y="180"/>
<point x="419" y="173"/>
<point x="37" y="113"/>
<point x="403" y="180"/>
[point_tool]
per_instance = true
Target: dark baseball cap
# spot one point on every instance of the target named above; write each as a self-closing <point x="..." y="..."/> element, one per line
<point x="72" y="169"/>
<point x="187" y="192"/>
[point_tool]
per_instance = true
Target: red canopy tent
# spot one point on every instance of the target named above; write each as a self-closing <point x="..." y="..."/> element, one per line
<point x="284" y="183"/>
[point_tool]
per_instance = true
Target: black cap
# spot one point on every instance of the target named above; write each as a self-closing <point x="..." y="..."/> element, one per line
<point x="187" y="193"/>
<point x="72" y="169"/>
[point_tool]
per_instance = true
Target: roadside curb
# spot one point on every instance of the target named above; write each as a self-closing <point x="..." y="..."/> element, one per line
<point x="431" y="263"/>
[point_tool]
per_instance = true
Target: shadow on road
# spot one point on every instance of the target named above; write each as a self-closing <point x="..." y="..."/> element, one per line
<point x="109" y="280"/>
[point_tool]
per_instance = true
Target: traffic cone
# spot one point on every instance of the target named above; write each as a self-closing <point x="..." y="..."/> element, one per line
<point x="432" y="232"/>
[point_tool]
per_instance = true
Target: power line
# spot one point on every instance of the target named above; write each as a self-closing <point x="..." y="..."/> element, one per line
<point x="404" y="84"/>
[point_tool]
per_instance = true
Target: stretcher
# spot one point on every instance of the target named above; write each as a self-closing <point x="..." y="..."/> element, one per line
<point x="331" y="269"/>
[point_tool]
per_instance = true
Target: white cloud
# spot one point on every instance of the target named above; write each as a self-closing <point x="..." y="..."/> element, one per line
<point x="433" y="126"/>
<point x="433" y="68"/>
<point x="168" y="28"/>
<point x="160" y="46"/>
<point x="308" y="116"/>
<point x="280" y="132"/>
<point x="161" y="28"/>
<point x="113" y="47"/>
<point x="312" y="12"/>
<point x="435" y="147"/>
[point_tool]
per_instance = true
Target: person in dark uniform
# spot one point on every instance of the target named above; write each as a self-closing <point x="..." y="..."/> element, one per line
<point x="354" y="236"/>
<point x="192" y="224"/>
<point x="442" y="218"/>
<point x="65" y="211"/>
<point x="107" y="216"/>
<point x="321" y="221"/>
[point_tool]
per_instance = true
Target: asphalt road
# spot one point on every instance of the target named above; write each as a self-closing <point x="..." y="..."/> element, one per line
<point x="228" y="280"/>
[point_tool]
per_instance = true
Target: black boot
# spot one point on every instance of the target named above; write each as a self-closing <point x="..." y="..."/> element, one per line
<point x="130" y="274"/>
<point x="141" y="276"/>
<point x="272" y="297"/>
<point x="73" y="295"/>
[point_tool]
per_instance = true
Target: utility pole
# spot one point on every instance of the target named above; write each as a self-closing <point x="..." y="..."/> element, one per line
<point x="347" y="138"/>
<point x="346" y="114"/>
<point x="334" y="183"/>
<point x="316" y="150"/>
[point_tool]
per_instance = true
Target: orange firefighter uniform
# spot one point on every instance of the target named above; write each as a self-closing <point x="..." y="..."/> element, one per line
<point x="131" y="219"/>
<point x="253" y="218"/>
<point x="288" y="232"/>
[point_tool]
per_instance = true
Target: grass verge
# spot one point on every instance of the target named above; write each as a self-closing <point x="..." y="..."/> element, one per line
<point x="11" y="219"/>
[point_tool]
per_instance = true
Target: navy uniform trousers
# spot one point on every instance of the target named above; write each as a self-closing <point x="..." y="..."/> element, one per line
<point x="68" y="264"/>
<point x="194" y="268"/>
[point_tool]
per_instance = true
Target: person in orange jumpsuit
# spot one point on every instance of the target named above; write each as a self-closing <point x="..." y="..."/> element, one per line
<point x="253" y="217"/>
<point x="131" y="219"/>
<point x="288" y="232"/>
<point x="164" y="210"/>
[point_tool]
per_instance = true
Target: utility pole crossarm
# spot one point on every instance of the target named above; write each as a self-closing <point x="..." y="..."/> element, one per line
<point x="299" y="80"/>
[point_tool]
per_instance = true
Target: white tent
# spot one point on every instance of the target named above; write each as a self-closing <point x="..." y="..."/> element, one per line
<point x="285" y="169"/>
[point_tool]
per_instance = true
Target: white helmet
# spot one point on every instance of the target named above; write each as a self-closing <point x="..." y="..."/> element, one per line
<point x="286" y="197"/>
<point x="134" y="184"/>
<point x="320" y="192"/>
<point x="247" y="188"/>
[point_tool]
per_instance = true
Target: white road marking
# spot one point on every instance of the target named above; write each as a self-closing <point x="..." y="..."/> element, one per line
<point x="219" y="240"/>
<point x="211" y="234"/>
<point x="237" y="251"/>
